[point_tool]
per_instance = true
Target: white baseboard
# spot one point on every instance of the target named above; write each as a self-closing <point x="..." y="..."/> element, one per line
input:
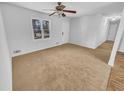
<point x="30" y="51"/>
<point x="91" y="47"/>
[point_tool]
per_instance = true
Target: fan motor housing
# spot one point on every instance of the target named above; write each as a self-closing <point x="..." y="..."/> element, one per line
<point x="60" y="8"/>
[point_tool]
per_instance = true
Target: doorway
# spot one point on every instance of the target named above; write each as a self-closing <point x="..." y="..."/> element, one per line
<point x="112" y="29"/>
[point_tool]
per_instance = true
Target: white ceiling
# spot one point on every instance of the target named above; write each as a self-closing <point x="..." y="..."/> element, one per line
<point x="82" y="8"/>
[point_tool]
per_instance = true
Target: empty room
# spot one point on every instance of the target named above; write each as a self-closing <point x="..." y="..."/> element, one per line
<point x="61" y="46"/>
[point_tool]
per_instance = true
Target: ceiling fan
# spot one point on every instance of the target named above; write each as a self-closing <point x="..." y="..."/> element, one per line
<point x="59" y="9"/>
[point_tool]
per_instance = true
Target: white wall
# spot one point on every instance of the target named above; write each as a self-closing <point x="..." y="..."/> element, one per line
<point x="5" y="61"/>
<point x="91" y="31"/>
<point x="18" y="26"/>
<point x="101" y="35"/>
<point x="87" y="31"/>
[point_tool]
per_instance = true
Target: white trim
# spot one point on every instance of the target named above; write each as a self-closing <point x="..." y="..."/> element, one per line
<point x="117" y="41"/>
<point x="34" y="50"/>
<point x="42" y="29"/>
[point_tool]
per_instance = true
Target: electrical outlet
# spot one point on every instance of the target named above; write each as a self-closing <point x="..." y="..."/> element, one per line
<point x="16" y="51"/>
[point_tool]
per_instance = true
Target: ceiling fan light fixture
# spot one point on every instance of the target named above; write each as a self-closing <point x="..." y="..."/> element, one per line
<point x="63" y="15"/>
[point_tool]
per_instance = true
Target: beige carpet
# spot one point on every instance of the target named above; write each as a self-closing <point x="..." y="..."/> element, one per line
<point x="66" y="67"/>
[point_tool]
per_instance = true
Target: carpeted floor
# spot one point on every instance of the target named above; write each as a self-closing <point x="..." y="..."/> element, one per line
<point x="66" y="67"/>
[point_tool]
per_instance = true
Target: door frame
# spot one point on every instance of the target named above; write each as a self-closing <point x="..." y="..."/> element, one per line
<point x="117" y="40"/>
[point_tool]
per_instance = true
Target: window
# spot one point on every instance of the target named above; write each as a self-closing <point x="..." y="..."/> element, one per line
<point x="40" y="28"/>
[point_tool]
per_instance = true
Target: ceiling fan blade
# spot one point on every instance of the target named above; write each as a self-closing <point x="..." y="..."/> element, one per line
<point x="52" y="14"/>
<point x="69" y="11"/>
<point x="49" y="9"/>
<point x="59" y="3"/>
